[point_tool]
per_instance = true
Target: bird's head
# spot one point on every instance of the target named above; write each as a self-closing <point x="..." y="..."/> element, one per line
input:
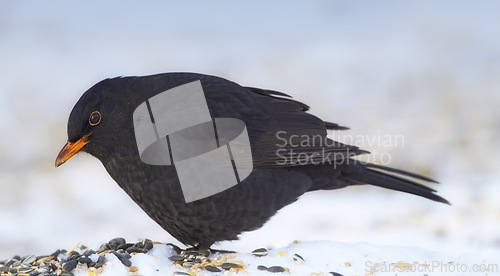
<point x="96" y="122"/>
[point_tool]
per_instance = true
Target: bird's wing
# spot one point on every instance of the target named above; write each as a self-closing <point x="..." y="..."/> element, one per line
<point x="281" y="132"/>
<point x="293" y="137"/>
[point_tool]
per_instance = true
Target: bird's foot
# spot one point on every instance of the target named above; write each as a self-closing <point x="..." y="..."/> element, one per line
<point x="199" y="250"/>
<point x="221" y="251"/>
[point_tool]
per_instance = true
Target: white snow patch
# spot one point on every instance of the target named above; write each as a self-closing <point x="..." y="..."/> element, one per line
<point x="323" y="257"/>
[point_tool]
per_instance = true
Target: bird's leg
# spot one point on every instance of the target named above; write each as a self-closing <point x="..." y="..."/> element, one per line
<point x="202" y="248"/>
<point x="221" y="251"/>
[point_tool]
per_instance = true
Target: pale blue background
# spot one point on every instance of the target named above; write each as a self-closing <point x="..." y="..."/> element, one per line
<point x="427" y="70"/>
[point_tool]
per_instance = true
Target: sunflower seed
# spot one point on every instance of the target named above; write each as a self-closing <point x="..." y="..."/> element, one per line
<point x="88" y="252"/>
<point x="104" y="247"/>
<point x="134" y="249"/>
<point x="212" y="268"/>
<point x="276" y="269"/>
<point x="54" y="266"/>
<point x="84" y="260"/>
<point x="73" y="255"/>
<point x="124" y="258"/>
<point x="114" y="243"/>
<point x="125" y="246"/>
<point x="9" y="262"/>
<point x="298" y="259"/>
<point x="44" y="269"/>
<point x="56" y="253"/>
<point x="260" y="252"/>
<point x="187" y="264"/>
<point x="68" y="266"/>
<point x="176" y="258"/>
<point x="43" y="257"/>
<point x="16" y="264"/>
<point x="228" y="266"/>
<point x="29" y="259"/>
<point x="200" y="259"/>
<point x="262" y="267"/>
<point x="100" y="261"/>
<point x="25" y="269"/>
<point x="148" y="244"/>
<point x="34" y="273"/>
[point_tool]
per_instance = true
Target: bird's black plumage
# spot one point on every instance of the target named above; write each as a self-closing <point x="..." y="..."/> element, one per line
<point x="274" y="182"/>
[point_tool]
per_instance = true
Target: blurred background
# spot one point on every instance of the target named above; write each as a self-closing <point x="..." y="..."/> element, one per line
<point x="426" y="71"/>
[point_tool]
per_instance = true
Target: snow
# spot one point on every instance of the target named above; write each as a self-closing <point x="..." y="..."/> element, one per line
<point x="427" y="71"/>
<point x="320" y="258"/>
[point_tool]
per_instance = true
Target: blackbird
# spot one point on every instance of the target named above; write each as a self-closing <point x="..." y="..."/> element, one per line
<point x="101" y="124"/>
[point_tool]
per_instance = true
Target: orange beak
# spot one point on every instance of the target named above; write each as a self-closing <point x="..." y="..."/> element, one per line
<point x="71" y="149"/>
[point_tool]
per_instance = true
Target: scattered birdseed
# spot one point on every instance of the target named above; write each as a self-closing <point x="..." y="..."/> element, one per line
<point x="262" y="267"/>
<point x="63" y="262"/>
<point x="134" y="249"/>
<point x="68" y="266"/>
<point x="260" y="252"/>
<point x="84" y="260"/>
<point x="228" y="266"/>
<point x="212" y="268"/>
<point x="187" y="264"/>
<point x="125" y="246"/>
<point x="100" y="261"/>
<point x="124" y="258"/>
<point x="190" y="258"/>
<point x="116" y="242"/>
<point x="29" y="259"/>
<point x="176" y="258"/>
<point x="277" y="269"/>
<point x="298" y="259"/>
<point x="273" y="269"/>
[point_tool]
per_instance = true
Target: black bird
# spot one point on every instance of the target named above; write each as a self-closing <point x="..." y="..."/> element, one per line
<point x="101" y="124"/>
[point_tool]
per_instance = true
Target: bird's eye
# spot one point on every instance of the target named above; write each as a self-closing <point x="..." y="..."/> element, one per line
<point x="95" y="118"/>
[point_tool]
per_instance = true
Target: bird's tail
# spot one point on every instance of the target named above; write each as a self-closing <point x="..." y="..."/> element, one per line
<point x="390" y="178"/>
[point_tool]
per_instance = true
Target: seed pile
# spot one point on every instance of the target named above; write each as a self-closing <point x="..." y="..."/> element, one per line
<point x="63" y="262"/>
<point x="261" y="252"/>
<point x="196" y="261"/>
<point x="192" y="262"/>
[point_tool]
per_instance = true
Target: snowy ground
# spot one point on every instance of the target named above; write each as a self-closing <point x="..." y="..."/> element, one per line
<point x="318" y="258"/>
<point x="425" y="71"/>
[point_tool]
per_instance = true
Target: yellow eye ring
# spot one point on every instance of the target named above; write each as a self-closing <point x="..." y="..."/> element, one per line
<point x="95" y="118"/>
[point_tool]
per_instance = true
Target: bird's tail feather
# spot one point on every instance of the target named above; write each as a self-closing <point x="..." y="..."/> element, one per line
<point x="393" y="179"/>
